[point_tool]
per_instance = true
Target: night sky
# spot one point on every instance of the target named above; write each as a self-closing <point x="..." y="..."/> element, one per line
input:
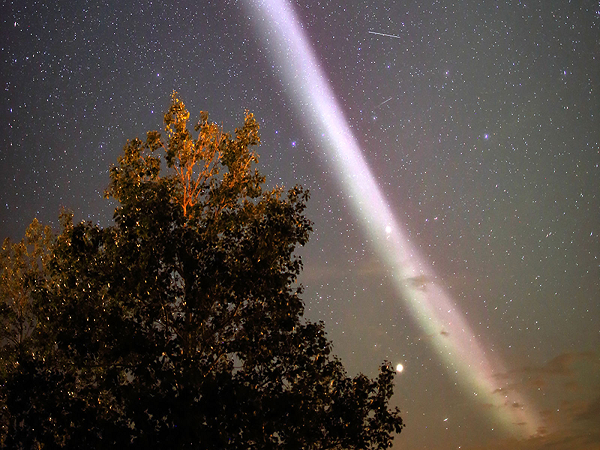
<point x="451" y="149"/>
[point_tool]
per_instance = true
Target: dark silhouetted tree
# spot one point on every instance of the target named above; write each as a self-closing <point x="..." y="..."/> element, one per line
<point x="180" y="326"/>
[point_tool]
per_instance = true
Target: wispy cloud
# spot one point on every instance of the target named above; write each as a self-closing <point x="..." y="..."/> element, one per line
<point x="591" y="412"/>
<point x="568" y="387"/>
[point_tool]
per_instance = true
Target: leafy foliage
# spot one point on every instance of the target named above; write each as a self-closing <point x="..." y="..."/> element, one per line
<point x="181" y="326"/>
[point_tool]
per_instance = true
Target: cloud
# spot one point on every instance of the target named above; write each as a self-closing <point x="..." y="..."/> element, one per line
<point x="313" y="274"/>
<point x="371" y="266"/>
<point x="562" y="440"/>
<point x="539" y="377"/>
<point x="426" y="337"/>
<point x="571" y="386"/>
<point x="568" y="390"/>
<point x="591" y="412"/>
<point x="560" y="365"/>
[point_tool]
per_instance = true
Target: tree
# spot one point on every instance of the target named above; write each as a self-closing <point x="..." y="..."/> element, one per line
<point x="22" y="267"/>
<point x="181" y="326"/>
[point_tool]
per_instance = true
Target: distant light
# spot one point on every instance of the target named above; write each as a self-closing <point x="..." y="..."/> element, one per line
<point x="388" y="229"/>
<point x="486" y="136"/>
<point x="399" y="368"/>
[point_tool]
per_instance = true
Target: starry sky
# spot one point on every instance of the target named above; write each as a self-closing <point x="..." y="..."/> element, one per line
<point x="451" y="149"/>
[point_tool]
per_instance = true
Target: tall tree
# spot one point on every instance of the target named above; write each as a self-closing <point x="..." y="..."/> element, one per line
<point x="182" y="325"/>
